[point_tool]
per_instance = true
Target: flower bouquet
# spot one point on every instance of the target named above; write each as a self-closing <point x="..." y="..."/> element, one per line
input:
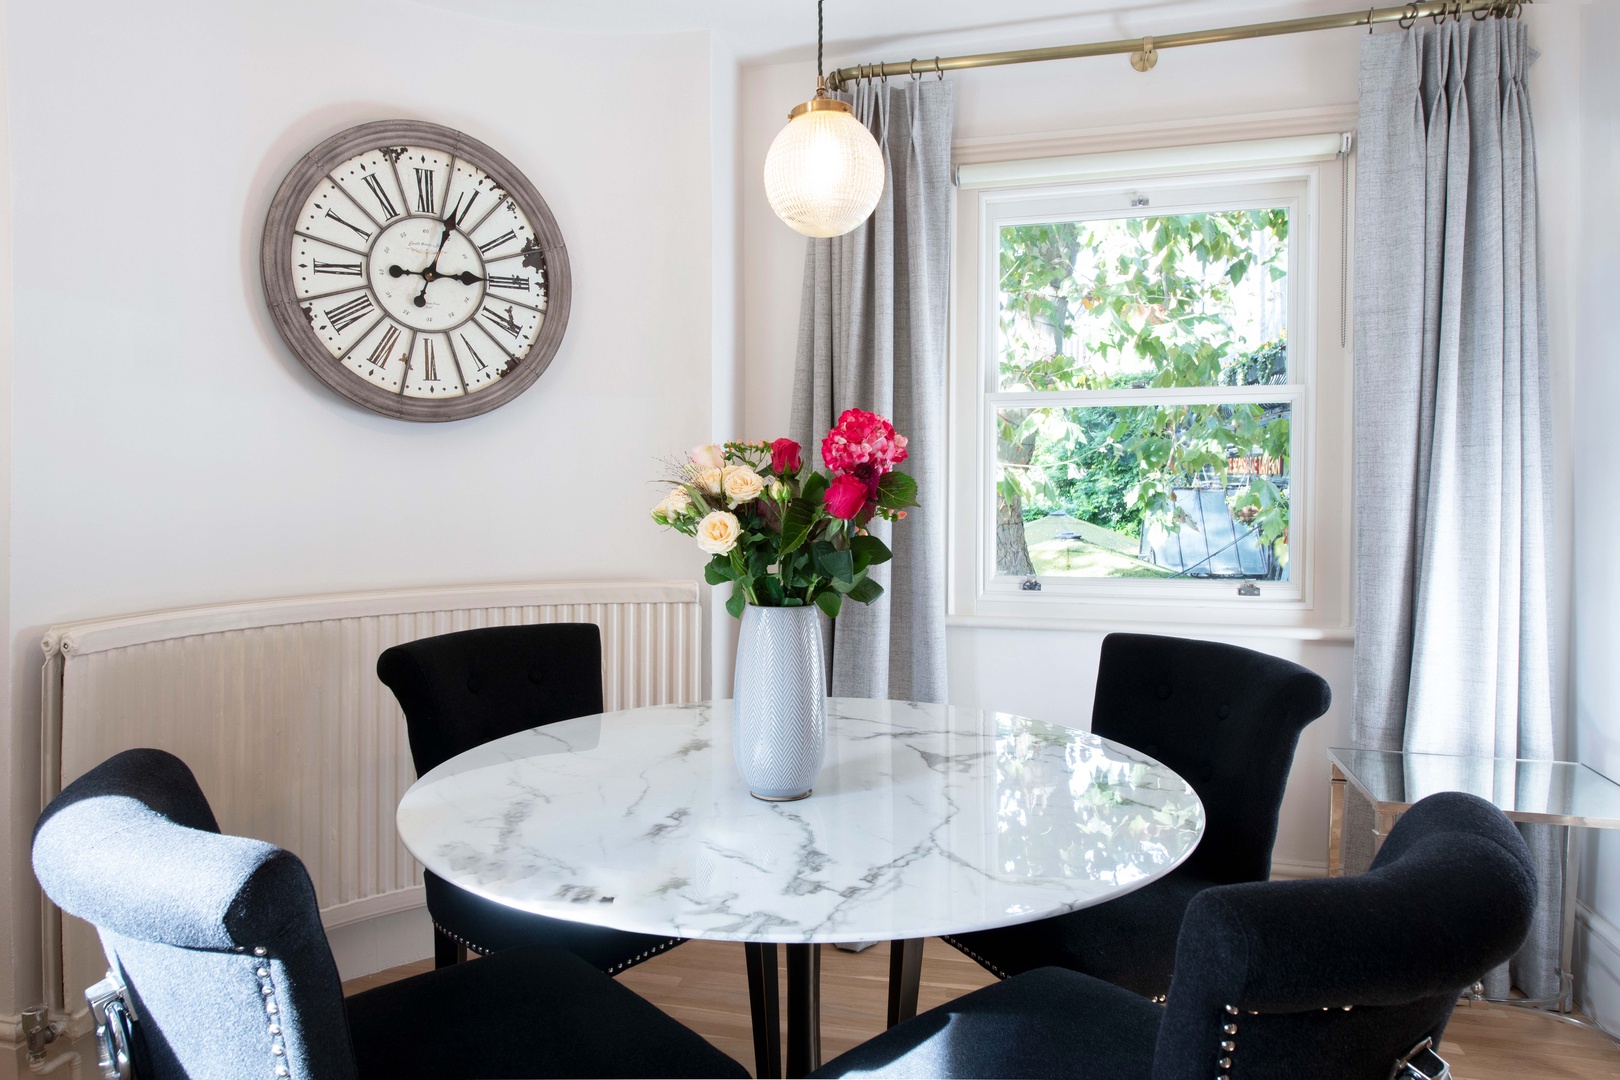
<point x="791" y="541"/>
<point x="787" y="536"/>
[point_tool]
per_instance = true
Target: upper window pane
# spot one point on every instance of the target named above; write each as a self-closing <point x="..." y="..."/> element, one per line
<point x="1117" y="303"/>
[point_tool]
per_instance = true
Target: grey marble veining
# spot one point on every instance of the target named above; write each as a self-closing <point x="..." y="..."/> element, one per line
<point x="926" y="820"/>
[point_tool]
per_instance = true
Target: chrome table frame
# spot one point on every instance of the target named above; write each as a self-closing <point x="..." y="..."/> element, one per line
<point x="1561" y="1006"/>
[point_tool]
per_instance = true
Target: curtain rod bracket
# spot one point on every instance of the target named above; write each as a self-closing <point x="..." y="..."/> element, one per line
<point x="1144" y="58"/>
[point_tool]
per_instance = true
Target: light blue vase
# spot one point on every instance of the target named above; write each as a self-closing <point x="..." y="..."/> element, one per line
<point x="779" y="702"/>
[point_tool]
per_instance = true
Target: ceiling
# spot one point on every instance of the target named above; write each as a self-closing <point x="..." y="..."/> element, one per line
<point x="773" y="30"/>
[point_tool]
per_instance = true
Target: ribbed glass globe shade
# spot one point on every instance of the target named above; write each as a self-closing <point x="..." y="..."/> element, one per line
<point x="824" y="172"/>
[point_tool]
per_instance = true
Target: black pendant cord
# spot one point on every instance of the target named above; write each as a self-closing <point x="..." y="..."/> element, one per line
<point x="819" y="25"/>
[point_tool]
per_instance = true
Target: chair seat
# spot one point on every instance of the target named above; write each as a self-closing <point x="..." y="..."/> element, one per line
<point x="1130" y="942"/>
<point x="459" y="1021"/>
<point x="1047" y="1023"/>
<point x="489" y="927"/>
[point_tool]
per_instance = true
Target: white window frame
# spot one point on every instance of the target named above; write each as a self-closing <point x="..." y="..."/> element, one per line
<point x="1317" y="356"/>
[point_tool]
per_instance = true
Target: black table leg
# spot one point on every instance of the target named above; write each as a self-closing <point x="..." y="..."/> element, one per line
<point x="803" y="1009"/>
<point x="763" y="1005"/>
<point x="905" y="975"/>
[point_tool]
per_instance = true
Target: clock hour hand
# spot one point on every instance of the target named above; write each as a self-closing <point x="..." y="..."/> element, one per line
<point x="466" y="277"/>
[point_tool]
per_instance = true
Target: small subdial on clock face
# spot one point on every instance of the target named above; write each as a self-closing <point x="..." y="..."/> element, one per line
<point x="427" y="275"/>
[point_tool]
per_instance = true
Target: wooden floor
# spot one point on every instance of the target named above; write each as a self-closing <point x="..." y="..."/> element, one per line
<point x="702" y="984"/>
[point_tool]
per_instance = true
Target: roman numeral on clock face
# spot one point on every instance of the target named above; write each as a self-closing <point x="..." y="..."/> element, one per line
<point x="497" y="242"/>
<point x="379" y="355"/>
<point x="383" y="200"/>
<point x="348" y="313"/>
<point x="362" y="233"/>
<point x="505" y="322"/>
<point x="458" y="213"/>
<point x="424" y="191"/>
<point x="430" y="366"/>
<point x="508" y="281"/>
<point x="472" y="352"/>
<point x="350" y="269"/>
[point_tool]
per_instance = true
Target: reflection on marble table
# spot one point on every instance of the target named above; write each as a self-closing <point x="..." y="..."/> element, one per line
<point x="927" y="819"/>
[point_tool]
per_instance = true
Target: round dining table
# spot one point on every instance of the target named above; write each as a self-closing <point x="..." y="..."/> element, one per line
<point x="926" y="820"/>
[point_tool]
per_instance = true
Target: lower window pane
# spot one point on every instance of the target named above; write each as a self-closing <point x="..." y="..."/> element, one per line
<point x="1167" y="492"/>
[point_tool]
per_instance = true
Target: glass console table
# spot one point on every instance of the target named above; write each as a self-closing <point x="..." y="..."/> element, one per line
<point x="1535" y="792"/>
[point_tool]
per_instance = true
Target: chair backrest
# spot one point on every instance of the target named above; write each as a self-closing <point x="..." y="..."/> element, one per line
<point x="218" y="938"/>
<point x="1284" y="977"/>
<point x="1227" y="719"/>
<point x="461" y="690"/>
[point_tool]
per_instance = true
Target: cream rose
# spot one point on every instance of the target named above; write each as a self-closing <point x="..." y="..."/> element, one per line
<point x="673" y="505"/>
<point x="718" y="531"/>
<point x="742" y="485"/>
<point x="710" y="480"/>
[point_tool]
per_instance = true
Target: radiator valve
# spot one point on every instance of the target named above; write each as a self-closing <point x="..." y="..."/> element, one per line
<point x="38" y="1032"/>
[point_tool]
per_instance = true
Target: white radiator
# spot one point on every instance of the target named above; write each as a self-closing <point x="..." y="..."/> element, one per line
<point x="277" y="708"/>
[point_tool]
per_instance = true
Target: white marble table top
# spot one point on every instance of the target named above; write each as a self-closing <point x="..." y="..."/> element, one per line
<point x="926" y="820"/>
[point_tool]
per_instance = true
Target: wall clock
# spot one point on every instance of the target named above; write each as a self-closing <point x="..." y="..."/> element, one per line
<point x="415" y="271"/>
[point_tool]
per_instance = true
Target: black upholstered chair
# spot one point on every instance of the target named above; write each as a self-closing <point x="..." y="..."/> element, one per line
<point x="1227" y="720"/>
<point x="461" y="690"/>
<point x="218" y="942"/>
<point x="1340" y="977"/>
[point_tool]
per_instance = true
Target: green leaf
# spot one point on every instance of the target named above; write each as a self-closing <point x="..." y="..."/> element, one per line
<point x="800" y="518"/>
<point x="737" y="602"/>
<point x="829" y="602"/>
<point x="869" y="551"/>
<point x="719" y="570"/>
<point x="815" y="486"/>
<point x="865" y="591"/>
<point x="836" y="564"/>
<point x="769" y="592"/>
<point x="896" y="491"/>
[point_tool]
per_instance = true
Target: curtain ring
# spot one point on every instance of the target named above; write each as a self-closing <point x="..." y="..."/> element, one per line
<point x="1478" y="17"/>
<point x="1410" y="19"/>
<point x="911" y="69"/>
<point x="1369" y="22"/>
<point x="938" y="70"/>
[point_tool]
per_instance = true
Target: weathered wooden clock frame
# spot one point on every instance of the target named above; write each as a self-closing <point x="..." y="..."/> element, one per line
<point x="294" y="323"/>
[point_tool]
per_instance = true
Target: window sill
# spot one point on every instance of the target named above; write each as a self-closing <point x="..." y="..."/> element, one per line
<point x="1204" y="622"/>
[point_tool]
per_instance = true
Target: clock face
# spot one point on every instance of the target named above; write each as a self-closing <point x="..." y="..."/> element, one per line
<point x="415" y="271"/>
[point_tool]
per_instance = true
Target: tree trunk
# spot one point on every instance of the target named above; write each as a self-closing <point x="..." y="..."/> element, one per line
<point x="1012" y="551"/>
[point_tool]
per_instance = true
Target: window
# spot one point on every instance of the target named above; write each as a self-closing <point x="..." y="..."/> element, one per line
<point x="1140" y="357"/>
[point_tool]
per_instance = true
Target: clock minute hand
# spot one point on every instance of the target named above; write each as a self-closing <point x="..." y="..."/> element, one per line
<point x="433" y="268"/>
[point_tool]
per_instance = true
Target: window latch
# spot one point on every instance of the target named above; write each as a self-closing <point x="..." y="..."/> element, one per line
<point x="1030" y="585"/>
<point x="1248" y="588"/>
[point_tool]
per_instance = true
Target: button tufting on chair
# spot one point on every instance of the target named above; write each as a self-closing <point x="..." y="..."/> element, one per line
<point x="1164" y="692"/>
<point x="1223" y="712"/>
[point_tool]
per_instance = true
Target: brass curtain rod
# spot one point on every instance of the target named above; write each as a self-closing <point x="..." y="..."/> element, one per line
<point x="1143" y="49"/>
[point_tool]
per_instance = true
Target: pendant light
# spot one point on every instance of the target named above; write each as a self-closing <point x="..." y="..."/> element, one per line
<point x="824" y="172"/>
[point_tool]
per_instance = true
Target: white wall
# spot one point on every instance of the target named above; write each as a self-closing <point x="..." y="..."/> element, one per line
<point x="1596" y="675"/>
<point x="173" y="450"/>
<point x="1039" y="108"/>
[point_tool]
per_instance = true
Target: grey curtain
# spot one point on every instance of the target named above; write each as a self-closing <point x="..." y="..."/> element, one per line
<point x="872" y="336"/>
<point x="1452" y="428"/>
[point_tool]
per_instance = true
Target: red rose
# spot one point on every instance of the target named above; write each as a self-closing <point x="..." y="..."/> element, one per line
<point x="845" y="497"/>
<point x="786" y="457"/>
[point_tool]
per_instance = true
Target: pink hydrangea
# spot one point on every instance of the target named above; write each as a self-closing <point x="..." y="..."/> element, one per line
<point x="862" y="438"/>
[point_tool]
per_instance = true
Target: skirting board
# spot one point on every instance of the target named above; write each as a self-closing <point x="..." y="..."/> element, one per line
<point x="1283" y="870"/>
<point x="1597" y="964"/>
<point x="377" y="944"/>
